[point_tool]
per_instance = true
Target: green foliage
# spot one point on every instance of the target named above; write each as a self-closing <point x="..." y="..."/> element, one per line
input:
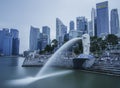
<point x="54" y="43"/>
<point x="42" y="52"/>
<point x="79" y="48"/>
<point x="48" y="48"/>
<point x="112" y="39"/>
<point x="76" y="50"/>
<point x="97" y="44"/>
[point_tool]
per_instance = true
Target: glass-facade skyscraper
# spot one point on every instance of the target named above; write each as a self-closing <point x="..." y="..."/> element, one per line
<point x="7" y="45"/>
<point x="61" y="30"/>
<point x="1" y="41"/>
<point x="9" y="42"/>
<point x="15" y="41"/>
<point x="71" y="25"/>
<point x="46" y="31"/>
<point x="93" y="16"/>
<point x="102" y="19"/>
<point x="114" y="22"/>
<point x="82" y="24"/>
<point x="90" y="28"/>
<point x="34" y="36"/>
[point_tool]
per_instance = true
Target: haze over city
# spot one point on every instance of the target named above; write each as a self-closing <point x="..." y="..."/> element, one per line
<point x="59" y="43"/>
<point x="21" y="14"/>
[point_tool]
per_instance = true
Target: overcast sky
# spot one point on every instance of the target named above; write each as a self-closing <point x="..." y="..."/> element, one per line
<point x="21" y="14"/>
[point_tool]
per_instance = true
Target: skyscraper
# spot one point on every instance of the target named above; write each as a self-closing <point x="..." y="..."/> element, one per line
<point x="46" y="30"/>
<point x="114" y="22"/>
<point x="39" y="44"/>
<point x="102" y="19"/>
<point x="90" y="28"/>
<point x="71" y="24"/>
<point x="15" y="46"/>
<point x="81" y="24"/>
<point x="34" y="35"/>
<point x="1" y="34"/>
<point x="61" y="30"/>
<point x="15" y="41"/>
<point x="44" y="41"/>
<point x="7" y="44"/>
<point x="14" y="32"/>
<point x="93" y="16"/>
<point x="58" y="28"/>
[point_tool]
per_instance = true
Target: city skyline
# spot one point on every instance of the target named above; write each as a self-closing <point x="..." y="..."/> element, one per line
<point x="23" y="14"/>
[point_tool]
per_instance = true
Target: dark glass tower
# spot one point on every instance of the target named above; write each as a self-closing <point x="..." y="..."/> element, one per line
<point x="15" y="41"/>
<point x="102" y="19"/>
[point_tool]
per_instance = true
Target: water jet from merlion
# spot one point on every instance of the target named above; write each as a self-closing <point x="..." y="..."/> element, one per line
<point x="59" y="58"/>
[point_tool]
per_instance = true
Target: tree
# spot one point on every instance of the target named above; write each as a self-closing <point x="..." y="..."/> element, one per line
<point x="97" y="44"/>
<point x="48" y="48"/>
<point x="54" y="43"/>
<point x="78" y="47"/>
<point x="112" y="39"/>
<point x="94" y="46"/>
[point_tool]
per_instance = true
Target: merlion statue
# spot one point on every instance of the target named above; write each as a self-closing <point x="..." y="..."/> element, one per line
<point x="86" y="44"/>
<point x="84" y="60"/>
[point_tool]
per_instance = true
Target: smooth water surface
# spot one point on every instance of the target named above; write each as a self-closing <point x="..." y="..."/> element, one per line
<point x="11" y="71"/>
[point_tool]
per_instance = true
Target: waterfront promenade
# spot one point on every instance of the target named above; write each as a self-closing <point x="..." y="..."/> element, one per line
<point x="107" y="65"/>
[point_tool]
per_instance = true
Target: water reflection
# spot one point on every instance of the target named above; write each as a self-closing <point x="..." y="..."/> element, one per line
<point x="14" y="62"/>
<point x="10" y="77"/>
<point x="28" y="80"/>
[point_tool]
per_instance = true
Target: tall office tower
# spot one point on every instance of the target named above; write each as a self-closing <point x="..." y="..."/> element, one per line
<point x="93" y="16"/>
<point x="81" y="24"/>
<point x="39" y="47"/>
<point x="90" y="28"/>
<point x="95" y="31"/>
<point x="1" y="35"/>
<point x="46" y="30"/>
<point x="14" y="32"/>
<point x="61" y="30"/>
<point x="66" y="37"/>
<point x="15" y="41"/>
<point x="15" y="46"/>
<point x="71" y="25"/>
<point x="114" y="22"/>
<point x="7" y="44"/>
<point x="102" y="19"/>
<point x="44" y="41"/>
<point x="34" y="35"/>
